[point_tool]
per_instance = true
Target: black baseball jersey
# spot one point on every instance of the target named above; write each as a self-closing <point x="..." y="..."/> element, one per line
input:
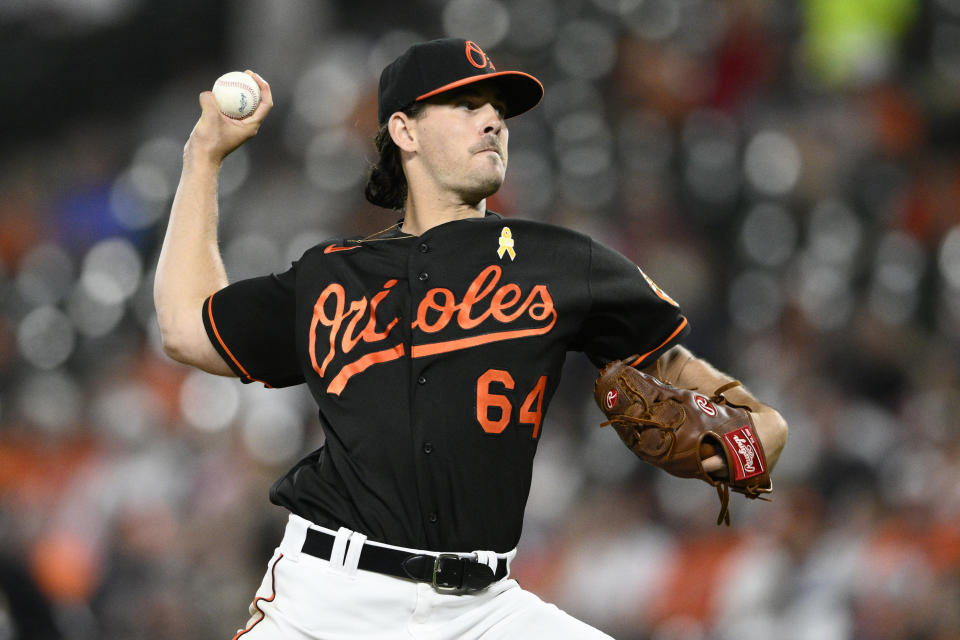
<point x="433" y="360"/>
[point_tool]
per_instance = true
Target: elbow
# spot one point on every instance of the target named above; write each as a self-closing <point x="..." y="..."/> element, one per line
<point x="184" y="339"/>
<point x="174" y="351"/>
<point x="174" y="337"/>
<point x="173" y="346"/>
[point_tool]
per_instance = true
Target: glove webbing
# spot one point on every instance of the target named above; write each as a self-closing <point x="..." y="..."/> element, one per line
<point x="637" y="396"/>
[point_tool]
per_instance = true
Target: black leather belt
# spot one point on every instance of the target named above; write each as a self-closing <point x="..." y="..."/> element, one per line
<point x="446" y="572"/>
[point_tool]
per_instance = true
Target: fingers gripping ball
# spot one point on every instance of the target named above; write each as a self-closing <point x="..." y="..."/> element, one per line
<point x="237" y="94"/>
<point x="677" y="429"/>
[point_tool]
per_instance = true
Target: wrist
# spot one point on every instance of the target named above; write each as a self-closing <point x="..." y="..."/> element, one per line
<point x="197" y="157"/>
<point x="202" y="149"/>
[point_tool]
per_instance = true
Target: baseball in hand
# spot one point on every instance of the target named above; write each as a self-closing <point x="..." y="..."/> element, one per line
<point x="237" y="94"/>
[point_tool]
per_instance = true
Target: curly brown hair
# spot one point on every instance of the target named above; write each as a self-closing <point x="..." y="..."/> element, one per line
<point x="386" y="182"/>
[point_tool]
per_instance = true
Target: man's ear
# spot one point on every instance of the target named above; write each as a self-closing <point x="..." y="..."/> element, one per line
<point x="403" y="131"/>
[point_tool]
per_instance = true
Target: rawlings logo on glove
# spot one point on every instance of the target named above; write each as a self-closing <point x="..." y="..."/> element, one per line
<point x="748" y="461"/>
<point x="677" y="429"/>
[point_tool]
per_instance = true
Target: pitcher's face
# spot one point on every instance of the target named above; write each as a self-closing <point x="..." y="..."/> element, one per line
<point x="463" y="141"/>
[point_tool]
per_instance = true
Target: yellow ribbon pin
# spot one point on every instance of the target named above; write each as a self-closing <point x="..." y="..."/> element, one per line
<point x="506" y="244"/>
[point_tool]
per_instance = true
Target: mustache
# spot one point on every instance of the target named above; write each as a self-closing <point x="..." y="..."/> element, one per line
<point x="488" y="143"/>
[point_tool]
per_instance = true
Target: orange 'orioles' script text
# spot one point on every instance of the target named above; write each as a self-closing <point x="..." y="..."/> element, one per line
<point x="486" y="301"/>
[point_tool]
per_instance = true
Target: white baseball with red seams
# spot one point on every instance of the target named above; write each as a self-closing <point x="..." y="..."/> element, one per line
<point x="237" y="94"/>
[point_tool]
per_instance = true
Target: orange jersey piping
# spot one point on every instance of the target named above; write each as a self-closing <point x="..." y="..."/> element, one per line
<point x="216" y="332"/>
<point x="673" y="335"/>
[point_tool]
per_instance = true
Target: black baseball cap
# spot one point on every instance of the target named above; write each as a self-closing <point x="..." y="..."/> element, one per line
<point x="430" y="68"/>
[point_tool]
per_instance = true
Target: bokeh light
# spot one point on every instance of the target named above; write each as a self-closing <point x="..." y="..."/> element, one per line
<point x="273" y="432"/>
<point x="895" y="291"/>
<point x="652" y="19"/>
<point x="711" y="145"/>
<point x="772" y="163"/>
<point x="328" y="91"/>
<point x="486" y="21"/>
<point x="533" y="24"/>
<point x="111" y="271"/>
<point x="336" y="162"/>
<point x="756" y="301"/>
<point x="46" y="337"/>
<point x="834" y="232"/>
<point x="585" y="49"/>
<point x="209" y="403"/>
<point x="51" y="401"/>
<point x="45" y="274"/>
<point x="769" y="234"/>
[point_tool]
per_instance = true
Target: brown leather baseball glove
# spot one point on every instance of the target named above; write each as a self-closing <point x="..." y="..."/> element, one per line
<point x="677" y="429"/>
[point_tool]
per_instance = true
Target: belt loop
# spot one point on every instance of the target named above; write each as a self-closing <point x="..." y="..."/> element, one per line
<point x="354" y="547"/>
<point x="507" y="559"/>
<point x="293" y="537"/>
<point x="339" y="549"/>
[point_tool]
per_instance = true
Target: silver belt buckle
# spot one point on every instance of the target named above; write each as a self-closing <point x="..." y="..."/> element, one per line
<point x="436" y="569"/>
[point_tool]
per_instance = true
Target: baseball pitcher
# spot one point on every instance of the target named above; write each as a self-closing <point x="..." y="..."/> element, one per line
<point x="433" y="349"/>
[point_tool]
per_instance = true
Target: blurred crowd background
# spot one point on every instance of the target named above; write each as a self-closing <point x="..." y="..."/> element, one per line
<point x="788" y="170"/>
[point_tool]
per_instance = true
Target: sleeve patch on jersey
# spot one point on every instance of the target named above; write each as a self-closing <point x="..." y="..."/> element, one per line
<point x="657" y="290"/>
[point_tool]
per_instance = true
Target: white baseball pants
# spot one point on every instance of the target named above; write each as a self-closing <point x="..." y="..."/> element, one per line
<point x="307" y="598"/>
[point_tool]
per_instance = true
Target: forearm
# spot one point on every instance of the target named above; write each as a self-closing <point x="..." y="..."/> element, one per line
<point x="681" y="368"/>
<point x="190" y="267"/>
